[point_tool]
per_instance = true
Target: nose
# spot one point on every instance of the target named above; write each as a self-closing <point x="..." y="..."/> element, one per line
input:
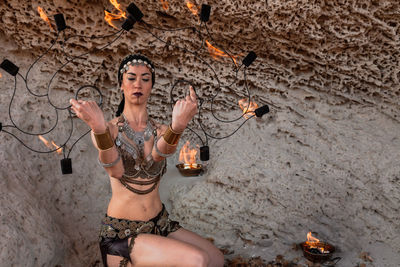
<point x="137" y="83"/>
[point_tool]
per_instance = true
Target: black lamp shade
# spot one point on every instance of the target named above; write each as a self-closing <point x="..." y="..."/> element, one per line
<point x="128" y="23"/>
<point x="261" y="111"/>
<point x="9" y="67"/>
<point x="60" y="22"/>
<point x="135" y="12"/>
<point x="204" y="153"/>
<point x="66" y="166"/>
<point x="205" y="12"/>
<point x="249" y="58"/>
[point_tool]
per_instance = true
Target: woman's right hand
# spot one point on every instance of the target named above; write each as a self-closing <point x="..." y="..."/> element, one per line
<point x="90" y="113"/>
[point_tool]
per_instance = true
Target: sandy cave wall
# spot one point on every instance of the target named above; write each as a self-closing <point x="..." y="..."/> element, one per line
<point x="328" y="70"/>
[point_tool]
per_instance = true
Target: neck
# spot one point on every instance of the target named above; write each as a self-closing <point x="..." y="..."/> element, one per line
<point x="136" y="114"/>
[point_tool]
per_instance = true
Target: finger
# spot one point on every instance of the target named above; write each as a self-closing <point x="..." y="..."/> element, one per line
<point x="73" y="102"/>
<point x="192" y="94"/>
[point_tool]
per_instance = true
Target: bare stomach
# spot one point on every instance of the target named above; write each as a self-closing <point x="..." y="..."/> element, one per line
<point x="125" y="204"/>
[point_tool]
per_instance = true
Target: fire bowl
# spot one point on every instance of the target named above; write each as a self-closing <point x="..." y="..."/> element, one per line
<point x="313" y="254"/>
<point x="190" y="171"/>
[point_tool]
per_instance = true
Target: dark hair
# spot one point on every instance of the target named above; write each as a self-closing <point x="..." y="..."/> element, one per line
<point x="124" y="61"/>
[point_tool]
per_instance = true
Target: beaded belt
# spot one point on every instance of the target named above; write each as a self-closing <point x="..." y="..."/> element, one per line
<point x="160" y="225"/>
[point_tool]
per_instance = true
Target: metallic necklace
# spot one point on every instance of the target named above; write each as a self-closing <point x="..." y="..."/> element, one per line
<point x="137" y="137"/>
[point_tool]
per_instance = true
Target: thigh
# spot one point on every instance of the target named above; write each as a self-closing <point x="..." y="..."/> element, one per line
<point x="154" y="250"/>
<point x="215" y="255"/>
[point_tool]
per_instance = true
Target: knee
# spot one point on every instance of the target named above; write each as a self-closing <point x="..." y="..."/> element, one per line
<point x="218" y="259"/>
<point x="199" y="258"/>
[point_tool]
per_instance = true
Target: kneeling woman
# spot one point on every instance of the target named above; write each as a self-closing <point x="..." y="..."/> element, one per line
<point x="136" y="230"/>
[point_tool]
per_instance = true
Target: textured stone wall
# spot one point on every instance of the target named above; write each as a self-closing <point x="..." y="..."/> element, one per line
<point x="325" y="159"/>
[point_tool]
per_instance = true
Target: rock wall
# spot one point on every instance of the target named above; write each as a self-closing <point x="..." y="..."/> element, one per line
<point x="325" y="159"/>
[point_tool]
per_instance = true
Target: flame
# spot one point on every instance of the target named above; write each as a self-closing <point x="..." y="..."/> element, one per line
<point x="313" y="242"/>
<point x="44" y="16"/>
<point x="165" y="4"/>
<point x="109" y="17"/>
<point x="217" y="53"/>
<point x="311" y="239"/>
<point x="50" y="145"/>
<point x="192" y="7"/>
<point x="248" y="110"/>
<point x="188" y="156"/>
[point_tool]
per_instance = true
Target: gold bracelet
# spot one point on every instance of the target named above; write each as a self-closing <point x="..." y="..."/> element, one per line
<point x="104" y="140"/>
<point x="171" y="137"/>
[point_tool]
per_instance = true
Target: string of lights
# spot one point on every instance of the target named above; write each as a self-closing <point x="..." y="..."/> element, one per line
<point x="134" y="15"/>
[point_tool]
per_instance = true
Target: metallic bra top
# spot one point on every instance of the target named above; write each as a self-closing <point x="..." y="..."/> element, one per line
<point x="130" y="145"/>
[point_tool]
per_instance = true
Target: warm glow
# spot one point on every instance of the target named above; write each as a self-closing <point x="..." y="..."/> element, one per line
<point x="193" y="8"/>
<point x="248" y="110"/>
<point x="164" y="4"/>
<point x="50" y="145"/>
<point x="110" y="17"/>
<point x="0" y="75"/>
<point x="188" y="156"/>
<point x="217" y="53"/>
<point x="44" y="16"/>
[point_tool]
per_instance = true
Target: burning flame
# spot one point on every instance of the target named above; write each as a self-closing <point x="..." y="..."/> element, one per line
<point x="248" y="109"/>
<point x="188" y="156"/>
<point x="51" y="145"/>
<point x="192" y="7"/>
<point x="44" y="16"/>
<point x="165" y="4"/>
<point x="311" y="239"/>
<point x="109" y="17"/>
<point x="216" y="53"/>
<point x="313" y="242"/>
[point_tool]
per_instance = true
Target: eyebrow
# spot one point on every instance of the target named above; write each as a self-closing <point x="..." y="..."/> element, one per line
<point x="131" y="73"/>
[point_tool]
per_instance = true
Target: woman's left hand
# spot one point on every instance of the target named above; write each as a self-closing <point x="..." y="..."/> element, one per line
<point x="184" y="111"/>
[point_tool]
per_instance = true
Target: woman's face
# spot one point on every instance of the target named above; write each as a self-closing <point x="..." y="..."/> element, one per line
<point x="137" y="84"/>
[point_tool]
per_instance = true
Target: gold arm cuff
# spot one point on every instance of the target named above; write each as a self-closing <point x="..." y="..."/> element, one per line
<point x="104" y="140"/>
<point x="171" y="137"/>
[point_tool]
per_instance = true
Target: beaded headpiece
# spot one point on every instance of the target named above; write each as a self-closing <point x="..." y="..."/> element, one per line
<point x="133" y="60"/>
<point x="136" y="62"/>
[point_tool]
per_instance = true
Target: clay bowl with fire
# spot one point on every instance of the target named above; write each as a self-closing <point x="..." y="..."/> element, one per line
<point x="315" y="250"/>
<point x="189" y="167"/>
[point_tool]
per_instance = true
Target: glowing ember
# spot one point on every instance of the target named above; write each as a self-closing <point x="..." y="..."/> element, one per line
<point x="165" y="4"/>
<point x="248" y="110"/>
<point x="188" y="156"/>
<point x="193" y="8"/>
<point x="51" y="145"/>
<point x="217" y="53"/>
<point x="44" y="16"/>
<point x="110" y="17"/>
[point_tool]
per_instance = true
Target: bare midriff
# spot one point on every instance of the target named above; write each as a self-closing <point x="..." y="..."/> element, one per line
<point x="126" y="205"/>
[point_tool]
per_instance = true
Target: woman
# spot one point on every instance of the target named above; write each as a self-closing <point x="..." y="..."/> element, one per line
<point x="136" y="230"/>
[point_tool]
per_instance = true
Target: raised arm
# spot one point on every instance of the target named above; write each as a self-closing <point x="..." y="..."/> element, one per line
<point x="183" y="112"/>
<point x="103" y="135"/>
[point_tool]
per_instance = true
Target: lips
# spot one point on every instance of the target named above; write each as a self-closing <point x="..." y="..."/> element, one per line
<point x="138" y="94"/>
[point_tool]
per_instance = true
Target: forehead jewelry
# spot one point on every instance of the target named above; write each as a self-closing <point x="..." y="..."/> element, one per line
<point x="136" y="62"/>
